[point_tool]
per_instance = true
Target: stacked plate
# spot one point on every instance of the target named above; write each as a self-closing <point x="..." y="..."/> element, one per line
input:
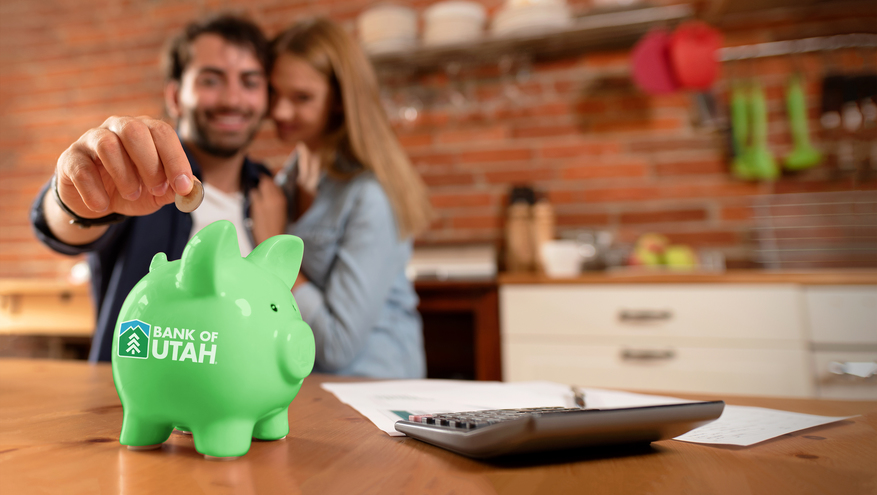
<point x="387" y="28"/>
<point x="453" y="21"/>
<point x="526" y="17"/>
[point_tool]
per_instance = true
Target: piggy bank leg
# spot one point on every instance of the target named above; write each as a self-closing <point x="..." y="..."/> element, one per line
<point x="274" y="426"/>
<point x="140" y="434"/>
<point x="223" y="438"/>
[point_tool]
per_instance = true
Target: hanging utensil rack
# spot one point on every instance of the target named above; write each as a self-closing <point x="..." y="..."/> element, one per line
<point x="790" y="47"/>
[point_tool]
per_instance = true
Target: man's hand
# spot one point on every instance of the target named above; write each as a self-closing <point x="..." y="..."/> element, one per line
<point x="128" y="165"/>
<point x="267" y="209"/>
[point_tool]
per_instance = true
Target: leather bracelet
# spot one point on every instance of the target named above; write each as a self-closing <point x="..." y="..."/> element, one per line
<point x="84" y="223"/>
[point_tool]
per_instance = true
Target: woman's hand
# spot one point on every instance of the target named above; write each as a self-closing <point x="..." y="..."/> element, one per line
<point x="267" y="209"/>
<point x="308" y="176"/>
<point x="299" y="281"/>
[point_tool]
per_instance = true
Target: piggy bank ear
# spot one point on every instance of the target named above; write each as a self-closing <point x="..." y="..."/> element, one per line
<point x="158" y="261"/>
<point x="281" y="255"/>
<point x="206" y="253"/>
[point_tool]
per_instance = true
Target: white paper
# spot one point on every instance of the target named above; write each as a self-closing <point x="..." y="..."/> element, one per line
<point x="745" y="426"/>
<point x="386" y="402"/>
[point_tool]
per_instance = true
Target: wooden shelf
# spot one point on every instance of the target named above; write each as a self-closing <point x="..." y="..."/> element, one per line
<point x="590" y="32"/>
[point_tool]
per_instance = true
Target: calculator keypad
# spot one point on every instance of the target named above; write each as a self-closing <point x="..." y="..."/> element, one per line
<point x="470" y="420"/>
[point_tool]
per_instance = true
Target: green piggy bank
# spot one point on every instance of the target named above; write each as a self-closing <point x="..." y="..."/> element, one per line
<point x="213" y="344"/>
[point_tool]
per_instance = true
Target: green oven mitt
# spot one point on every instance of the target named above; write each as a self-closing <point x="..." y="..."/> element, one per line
<point x="803" y="155"/>
<point x="761" y="161"/>
<point x="740" y="166"/>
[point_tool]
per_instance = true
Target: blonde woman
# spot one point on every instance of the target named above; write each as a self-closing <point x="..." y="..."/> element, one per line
<point x="355" y="200"/>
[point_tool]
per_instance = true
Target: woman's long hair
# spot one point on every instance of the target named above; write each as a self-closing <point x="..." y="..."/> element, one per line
<point x="361" y="131"/>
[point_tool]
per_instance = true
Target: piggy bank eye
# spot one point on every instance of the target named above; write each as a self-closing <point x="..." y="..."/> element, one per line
<point x="274" y="308"/>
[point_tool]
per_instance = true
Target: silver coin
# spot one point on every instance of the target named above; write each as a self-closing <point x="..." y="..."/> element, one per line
<point x="191" y="201"/>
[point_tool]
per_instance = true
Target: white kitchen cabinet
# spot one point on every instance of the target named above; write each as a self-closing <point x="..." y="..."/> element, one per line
<point x="843" y="329"/>
<point x="842" y="314"/>
<point x="751" y="339"/>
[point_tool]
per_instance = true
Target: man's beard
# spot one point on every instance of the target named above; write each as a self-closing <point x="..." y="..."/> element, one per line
<point x="202" y="139"/>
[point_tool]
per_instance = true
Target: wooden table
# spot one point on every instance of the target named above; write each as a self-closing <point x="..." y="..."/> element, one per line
<point x="60" y="421"/>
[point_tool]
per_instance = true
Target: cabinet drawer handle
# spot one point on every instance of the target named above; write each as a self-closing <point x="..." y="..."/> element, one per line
<point x="853" y="370"/>
<point x="642" y="315"/>
<point x="647" y="354"/>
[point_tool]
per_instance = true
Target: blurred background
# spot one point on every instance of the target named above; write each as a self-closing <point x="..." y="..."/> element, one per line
<point x="564" y="144"/>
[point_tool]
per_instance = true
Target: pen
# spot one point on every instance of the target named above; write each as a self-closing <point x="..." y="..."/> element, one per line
<point x="578" y="396"/>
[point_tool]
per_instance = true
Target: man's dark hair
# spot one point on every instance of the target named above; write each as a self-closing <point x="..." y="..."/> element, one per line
<point x="232" y="28"/>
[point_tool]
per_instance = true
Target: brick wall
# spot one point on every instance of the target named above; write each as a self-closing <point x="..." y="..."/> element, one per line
<point x="605" y="154"/>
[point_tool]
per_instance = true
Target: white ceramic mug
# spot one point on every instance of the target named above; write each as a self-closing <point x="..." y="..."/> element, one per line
<point x="561" y="259"/>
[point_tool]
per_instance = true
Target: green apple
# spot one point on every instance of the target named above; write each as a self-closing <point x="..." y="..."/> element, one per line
<point x="680" y="256"/>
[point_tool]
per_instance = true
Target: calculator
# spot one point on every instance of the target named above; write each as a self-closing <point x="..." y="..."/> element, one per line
<point x="499" y="432"/>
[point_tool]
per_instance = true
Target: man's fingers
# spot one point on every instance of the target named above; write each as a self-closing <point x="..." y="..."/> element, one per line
<point x="76" y="169"/>
<point x="173" y="158"/>
<point x="109" y="152"/>
<point x="266" y="185"/>
<point x="137" y="141"/>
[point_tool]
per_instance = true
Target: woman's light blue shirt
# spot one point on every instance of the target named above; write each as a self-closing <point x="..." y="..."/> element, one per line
<point x="359" y="304"/>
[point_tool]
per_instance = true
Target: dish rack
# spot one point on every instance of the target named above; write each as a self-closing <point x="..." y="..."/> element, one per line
<point x="816" y="230"/>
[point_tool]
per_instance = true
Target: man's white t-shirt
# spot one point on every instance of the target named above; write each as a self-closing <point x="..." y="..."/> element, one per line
<point x="219" y="205"/>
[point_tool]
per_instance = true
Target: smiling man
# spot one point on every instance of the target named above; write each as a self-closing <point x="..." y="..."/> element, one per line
<point x="113" y="190"/>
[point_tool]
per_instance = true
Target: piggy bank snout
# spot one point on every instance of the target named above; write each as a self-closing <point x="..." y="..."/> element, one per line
<point x="296" y="351"/>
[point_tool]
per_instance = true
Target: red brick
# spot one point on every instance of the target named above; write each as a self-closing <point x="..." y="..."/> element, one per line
<point x="662" y="216"/>
<point x="705" y="238"/>
<point x="564" y="87"/>
<point x="580" y="149"/>
<point x="68" y="68"/>
<point x="736" y="213"/>
<point x="673" y="100"/>
<point x="451" y="179"/>
<point x="583" y="219"/>
<point x="591" y="106"/>
<point x="477" y="222"/>
<point x="605" y="170"/>
<point x="415" y="140"/>
<point x="786" y="186"/>
<point x="566" y="196"/>
<point x="520" y="176"/>
<point x="601" y="60"/>
<point x="462" y="200"/>
<point x="711" y="190"/>
<point x="621" y="194"/>
<point x="497" y="155"/>
<point x="546" y="131"/>
<point x="633" y="125"/>
<point x="472" y="135"/>
<point x="550" y="110"/>
<point x="557" y="64"/>
<point x="427" y="158"/>
<point x="692" y="167"/>
<point x="674" y="144"/>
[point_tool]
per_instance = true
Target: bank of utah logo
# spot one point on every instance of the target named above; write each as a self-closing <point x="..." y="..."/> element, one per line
<point x="134" y="339"/>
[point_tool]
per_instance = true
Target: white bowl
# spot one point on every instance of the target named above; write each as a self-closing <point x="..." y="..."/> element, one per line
<point x="456" y="10"/>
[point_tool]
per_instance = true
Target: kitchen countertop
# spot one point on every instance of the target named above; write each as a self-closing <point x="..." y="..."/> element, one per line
<point x="646" y="276"/>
